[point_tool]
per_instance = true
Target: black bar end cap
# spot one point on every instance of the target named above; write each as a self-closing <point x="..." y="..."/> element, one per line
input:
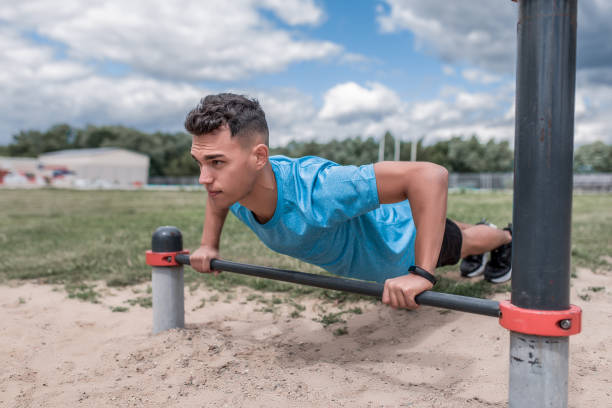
<point x="167" y="239"/>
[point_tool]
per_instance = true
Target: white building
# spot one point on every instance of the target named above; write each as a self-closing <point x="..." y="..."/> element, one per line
<point x="19" y="164"/>
<point x="20" y="172"/>
<point x="104" y="167"/>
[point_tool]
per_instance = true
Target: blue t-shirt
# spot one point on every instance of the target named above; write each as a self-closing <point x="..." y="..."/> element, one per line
<point x="329" y="215"/>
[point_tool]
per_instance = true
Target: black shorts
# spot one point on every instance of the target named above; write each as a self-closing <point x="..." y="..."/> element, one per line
<point x="450" y="253"/>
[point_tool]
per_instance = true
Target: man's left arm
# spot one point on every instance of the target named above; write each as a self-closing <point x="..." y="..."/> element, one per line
<point x="425" y="186"/>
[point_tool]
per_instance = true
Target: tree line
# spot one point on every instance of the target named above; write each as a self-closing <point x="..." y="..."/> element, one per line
<point x="170" y="156"/>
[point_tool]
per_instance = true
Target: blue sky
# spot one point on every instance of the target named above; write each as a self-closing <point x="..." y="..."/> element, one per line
<point x="321" y="69"/>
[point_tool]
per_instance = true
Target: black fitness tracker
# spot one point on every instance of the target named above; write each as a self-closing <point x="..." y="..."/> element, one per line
<point x="423" y="273"/>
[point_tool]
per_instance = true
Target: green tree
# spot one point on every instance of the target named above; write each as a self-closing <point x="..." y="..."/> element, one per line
<point x="593" y="157"/>
<point x="31" y="143"/>
<point x="469" y="155"/>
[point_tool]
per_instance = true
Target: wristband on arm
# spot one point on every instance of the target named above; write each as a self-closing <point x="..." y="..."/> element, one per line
<point x="423" y="273"/>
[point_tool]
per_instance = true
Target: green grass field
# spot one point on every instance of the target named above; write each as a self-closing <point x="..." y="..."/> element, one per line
<point x="78" y="237"/>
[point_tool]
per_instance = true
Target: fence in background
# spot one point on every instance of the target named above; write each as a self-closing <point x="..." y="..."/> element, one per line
<point x="600" y="182"/>
<point x="477" y="181"/>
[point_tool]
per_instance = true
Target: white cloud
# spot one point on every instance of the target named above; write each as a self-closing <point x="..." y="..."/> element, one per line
<point x="50" y="52"/>
<point x="295" y="12"/>
<point x="475" y="101"/>
<point x="292" y="115"/>
<point x="458" y="112"/>
<point x="427" y="110"/>
<point x="482" y="35"/>
<point x="593" y="104"/>
<point x="167" y="48"/>
<point x="480" y="76"/>
<point x="448" y="70"/>
<point x="479" y="32"/>
<point x="23" y="62"/>
<point x="350" y="100"/>
<point x="351" y="109"/>
<point x="354" y="58"/>
<point x="186" y="39"/>
<point x="38" y="91"/>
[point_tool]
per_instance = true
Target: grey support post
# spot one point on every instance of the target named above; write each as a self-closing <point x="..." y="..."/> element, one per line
<point x="168" y="287"/>
<point x="546" y="70"/>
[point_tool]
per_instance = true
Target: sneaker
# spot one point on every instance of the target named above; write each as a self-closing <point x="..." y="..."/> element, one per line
<point x="474" y="265"/>
<point x="499" y="268"/>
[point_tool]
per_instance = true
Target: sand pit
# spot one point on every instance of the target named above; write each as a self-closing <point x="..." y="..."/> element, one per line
<point x="59" y="352"/>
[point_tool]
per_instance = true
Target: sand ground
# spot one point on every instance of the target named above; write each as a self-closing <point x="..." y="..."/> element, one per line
<point x="61" y="352"/>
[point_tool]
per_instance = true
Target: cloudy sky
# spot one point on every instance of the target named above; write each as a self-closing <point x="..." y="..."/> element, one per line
<point x="321" y="69"/>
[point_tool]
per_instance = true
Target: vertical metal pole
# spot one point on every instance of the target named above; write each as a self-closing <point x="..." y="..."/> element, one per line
<point x="413" y="148"/>
<point x="546" y="70"/>
<point x="167" y="283"/>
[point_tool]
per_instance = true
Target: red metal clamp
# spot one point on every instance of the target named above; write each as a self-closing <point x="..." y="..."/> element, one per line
<point x="163" y="258"/>
<point x="550" y="323"/>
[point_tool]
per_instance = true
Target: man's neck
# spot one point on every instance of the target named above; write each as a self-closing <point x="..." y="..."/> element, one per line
<point x="262" y="198"/>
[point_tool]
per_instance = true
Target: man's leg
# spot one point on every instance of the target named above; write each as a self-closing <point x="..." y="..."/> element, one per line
<point x="462" y="225"/>
<point x="481" y="238"/>
<point x="477" y="241"/>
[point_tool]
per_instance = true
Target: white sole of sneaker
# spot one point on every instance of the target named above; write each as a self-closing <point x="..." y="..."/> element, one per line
<point x="480" y="270"/>
<point x="501" y="279"/>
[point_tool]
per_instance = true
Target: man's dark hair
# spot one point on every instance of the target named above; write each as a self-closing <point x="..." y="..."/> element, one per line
<point x="244" y="116"/>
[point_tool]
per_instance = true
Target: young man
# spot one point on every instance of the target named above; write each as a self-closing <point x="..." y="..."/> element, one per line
<point x="382" y="222"/>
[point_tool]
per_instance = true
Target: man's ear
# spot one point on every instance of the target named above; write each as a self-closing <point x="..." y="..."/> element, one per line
<point x="261" y="154"/>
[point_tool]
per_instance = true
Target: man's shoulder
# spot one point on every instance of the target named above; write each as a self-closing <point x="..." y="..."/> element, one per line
<point x="303" y="168"/>
<point x="300" y="161"/>
<point x="314" y="167"/>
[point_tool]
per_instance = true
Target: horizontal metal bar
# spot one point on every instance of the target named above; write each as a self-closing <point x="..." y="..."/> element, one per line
<point x="444" y="300"/>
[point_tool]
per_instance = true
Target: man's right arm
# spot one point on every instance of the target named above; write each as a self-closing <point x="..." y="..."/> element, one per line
<point x="214" y="219"/>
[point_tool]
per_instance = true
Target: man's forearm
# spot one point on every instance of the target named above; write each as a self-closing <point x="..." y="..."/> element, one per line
<point x="425" y="185"/>
<point x="213" y="224"/>
<point x="429" y="211"/>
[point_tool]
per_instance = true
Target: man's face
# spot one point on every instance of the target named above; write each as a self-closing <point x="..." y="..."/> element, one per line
<point x="226" y="167"/>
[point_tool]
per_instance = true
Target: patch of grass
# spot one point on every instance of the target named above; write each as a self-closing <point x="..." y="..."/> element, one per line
<point x="266" y="309"/>
<point x="596" y="288"/>
<point x="592" y="230"/>
<point x="142" y="301"/>
<point x="119" y="309"/>
<point x="201" y="305"/>
<point x="355" y="310"/>
<point x="83" y="292"/>
<point x="330" y="318"/>
<point x="22" y="301"/>
<point x="86" y="236"/>
<point x="503" y="288"/>
<point x="479" y="288"/>
<point x="268" y="305"/>
<point x="193" y="286"/>
<point x="340" y="298"/>
<point x="340" y="331"/>
<point x="253" y="296"/>
<point x="297" y="306"/>
<point x="585" y="296"/>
